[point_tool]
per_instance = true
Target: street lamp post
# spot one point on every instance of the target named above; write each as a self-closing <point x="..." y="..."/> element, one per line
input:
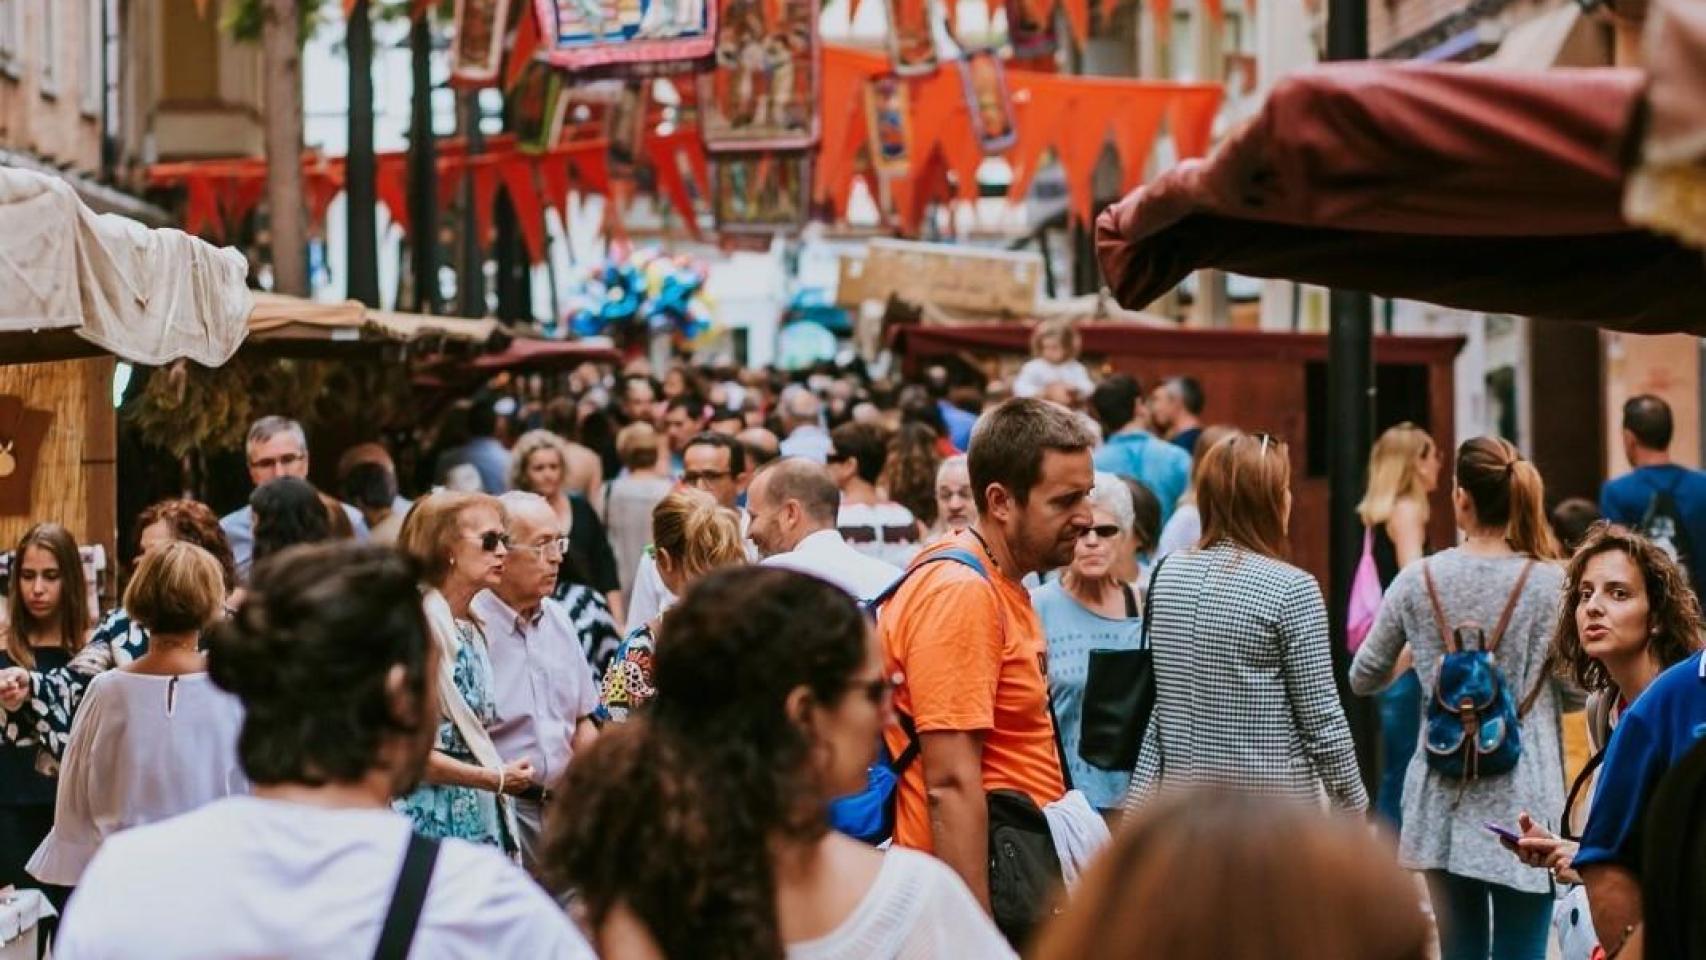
<point x="1350" y="398"/>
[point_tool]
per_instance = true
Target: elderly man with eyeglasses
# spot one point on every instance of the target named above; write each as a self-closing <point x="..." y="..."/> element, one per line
<point x="541" y="683"/>
<point x="276" y="447"/>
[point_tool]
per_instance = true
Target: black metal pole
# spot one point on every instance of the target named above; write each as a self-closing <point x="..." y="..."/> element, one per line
<point x="423" y="172"/>
<point x="361" y="193"/>
<point x="471" y="274"/>
<point x="1350" y="398"/>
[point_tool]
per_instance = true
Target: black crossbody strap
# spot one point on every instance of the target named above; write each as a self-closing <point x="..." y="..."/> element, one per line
<point x="1131" y="610"/>
<point x="1575" y="792"/>
<point x="407" y="899"/>
<point x="1149" y="600"/>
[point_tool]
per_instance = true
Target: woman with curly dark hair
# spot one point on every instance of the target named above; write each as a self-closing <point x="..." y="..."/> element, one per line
<point x="910" y="474"/>
<point x="1628" y="615"/>
<point x="331" y="659"/>
<point x="699" y="829"/>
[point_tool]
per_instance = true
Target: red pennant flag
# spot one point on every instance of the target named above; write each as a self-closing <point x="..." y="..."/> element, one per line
<point x="554" y="182"/>
<point x="526" y="45"/>
<point x="1078" y="18"/>
<point x="1191" y="119"/>
<point x="1136" y="125"/>
<point x="201" y="208"/>
<point x="665" y="152"/>
<point x="391" y="188"/>
<point x="590" y="164"/>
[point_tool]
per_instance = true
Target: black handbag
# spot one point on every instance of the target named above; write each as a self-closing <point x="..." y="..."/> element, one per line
<point x="1119" y="696"/>
<point x="1024" y="870"/>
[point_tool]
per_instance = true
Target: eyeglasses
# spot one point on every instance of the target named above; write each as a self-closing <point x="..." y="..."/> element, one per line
<point x="281" y="462"/>
<point x="558" y="544"/>
<point x="1105" y="531"/>
<point x="693" y="478"/>
<point x="491" y="540"/>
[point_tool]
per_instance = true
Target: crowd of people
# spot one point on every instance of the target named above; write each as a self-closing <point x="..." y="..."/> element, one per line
<point x="728" y="665"/>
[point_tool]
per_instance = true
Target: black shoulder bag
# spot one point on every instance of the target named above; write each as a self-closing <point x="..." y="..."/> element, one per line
<point x="1119" y="695"/>
<point x="407" y="899"/>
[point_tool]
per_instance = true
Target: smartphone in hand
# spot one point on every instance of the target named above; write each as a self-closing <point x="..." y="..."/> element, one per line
<point x="1506" y="836"/>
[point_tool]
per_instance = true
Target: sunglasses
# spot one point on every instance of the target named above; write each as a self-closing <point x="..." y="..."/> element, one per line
<point x="1105" y="531"/>
<point x="491" y="540"/>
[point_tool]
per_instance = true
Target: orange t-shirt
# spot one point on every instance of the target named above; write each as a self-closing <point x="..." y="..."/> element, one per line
<point x="972" y="655"/>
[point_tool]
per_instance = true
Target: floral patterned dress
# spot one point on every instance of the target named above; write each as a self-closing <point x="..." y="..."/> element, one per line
<point x="440" y="810"/>
<point x="57" y="692"/>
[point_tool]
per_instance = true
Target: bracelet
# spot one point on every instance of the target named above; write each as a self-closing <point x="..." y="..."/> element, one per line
<point x="500" y="781"/>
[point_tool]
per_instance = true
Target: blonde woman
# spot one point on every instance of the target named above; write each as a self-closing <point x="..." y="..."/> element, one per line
<point x="692" y="535"/>
<point x="1245" y="695"/>
<point x="1403" y="470"/>
<point x="460" y="542"/>
<point x="154" y="738"/>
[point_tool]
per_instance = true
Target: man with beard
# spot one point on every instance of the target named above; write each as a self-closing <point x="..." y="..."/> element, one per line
<point x="968" y="648"/>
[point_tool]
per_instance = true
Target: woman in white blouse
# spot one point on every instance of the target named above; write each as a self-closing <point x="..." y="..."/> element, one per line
<point x="154" y="738"/>
<point x="700" y="828"/>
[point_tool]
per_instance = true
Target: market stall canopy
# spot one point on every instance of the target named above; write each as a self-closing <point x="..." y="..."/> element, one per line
<point x="1478" y="189"/>
<point x="1667" y="191"/>
<point x="281" y="318"/>
<point x="77" y="283"/>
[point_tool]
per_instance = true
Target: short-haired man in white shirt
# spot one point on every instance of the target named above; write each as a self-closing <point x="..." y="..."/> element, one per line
<point x="541" y="683"/>
<point x="794" y="503"/>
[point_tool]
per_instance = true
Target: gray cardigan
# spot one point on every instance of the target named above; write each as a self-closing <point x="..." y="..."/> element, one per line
<point x="1442" y="817"/>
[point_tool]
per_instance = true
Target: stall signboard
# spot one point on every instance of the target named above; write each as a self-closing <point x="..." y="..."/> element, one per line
<point x="947" y="276"/>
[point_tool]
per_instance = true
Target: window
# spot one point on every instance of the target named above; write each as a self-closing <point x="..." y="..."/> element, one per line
<point x="11" y="26"/>
<point x="92" y="80"/>
<point x="50" y="43"/>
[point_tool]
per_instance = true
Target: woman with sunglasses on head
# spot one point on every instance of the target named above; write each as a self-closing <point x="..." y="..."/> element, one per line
<point x="459" y="541"/>
<point x="1499" y="591"/>
<point x="691" y="536"/>
<point x="1090" y="609"/>
<point x="700" y="829"/>
<point x="1245" y="695"/>
<point x="47" y="623"/>
<point x="1403" y="470"/>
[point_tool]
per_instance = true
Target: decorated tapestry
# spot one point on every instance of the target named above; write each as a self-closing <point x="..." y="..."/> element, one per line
<point x="1031" y="36"/>
<point x="912" y="44"/>
<point x="888" y="117"/>
<point x="541" y="106"/>
<point x="628" y="37"/>
<point x="763" y="93"/>
<point x="987" y="101"/>
<point x="761" y="192"/>
<point x="478" y="51"/>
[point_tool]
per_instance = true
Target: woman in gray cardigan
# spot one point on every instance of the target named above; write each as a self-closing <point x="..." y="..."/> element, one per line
<point x="1506" y="561"/>
<point x="1245" y="697"/>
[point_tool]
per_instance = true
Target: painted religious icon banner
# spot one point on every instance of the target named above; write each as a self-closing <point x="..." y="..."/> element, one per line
<point x="912" y="44"/>
<point x="888" y="119"/>
<point x="541" y="106"/>
<point x="761" y="192"/>
<point x="763" y="92"/>
<point x="477" y="53"/>
<point x="988" y="101"/>
<point x="628" y="37"/>
<point x="1030" y="34"/>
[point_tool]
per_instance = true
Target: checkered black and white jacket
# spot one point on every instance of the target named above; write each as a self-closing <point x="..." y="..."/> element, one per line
<point x="1244" y="683"/>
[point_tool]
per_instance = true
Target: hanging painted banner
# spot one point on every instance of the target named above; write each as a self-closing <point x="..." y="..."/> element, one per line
<point x="1030" y="35"/>
<point x="987" y="100"/>
<point x="628" y="37"/>
<point x="478" y="51"/>
<point x="912" y="44"/>
<point x="625" y="122"/>
<point x="541" y="106"/>
<point x="888" y="120"/>
<point x="761" y="192"/>
<point x="763" y="93"/>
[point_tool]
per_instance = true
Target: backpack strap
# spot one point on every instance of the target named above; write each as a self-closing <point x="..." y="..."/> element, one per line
<point x="1445" y="635"/>
<point x="1510" y="608"/>
<point x="1575" y="791"/>
<point x="907" y="726"/>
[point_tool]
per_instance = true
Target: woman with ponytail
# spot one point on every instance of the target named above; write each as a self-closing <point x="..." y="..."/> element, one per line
<point x="699" y="830"/>
<point x="1503" y="574"/>
<point x="691" y="536"/>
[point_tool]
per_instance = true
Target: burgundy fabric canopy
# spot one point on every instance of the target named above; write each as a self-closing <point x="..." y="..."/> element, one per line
<point x="1477" y="189"/>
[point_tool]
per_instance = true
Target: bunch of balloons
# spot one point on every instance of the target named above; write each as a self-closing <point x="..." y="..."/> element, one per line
<point x="643" y="291"/>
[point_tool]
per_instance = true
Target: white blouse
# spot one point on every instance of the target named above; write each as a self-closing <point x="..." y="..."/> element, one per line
<point x="143" y="748"/>
<point x="918" y="909"/>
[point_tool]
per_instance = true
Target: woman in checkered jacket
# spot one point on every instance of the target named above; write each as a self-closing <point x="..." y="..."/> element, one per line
<point x="1244" y="679"/>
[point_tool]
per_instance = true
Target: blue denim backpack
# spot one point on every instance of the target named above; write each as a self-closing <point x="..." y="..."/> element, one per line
<point x="1472" y="727"/>
<point x="869" y="815"/>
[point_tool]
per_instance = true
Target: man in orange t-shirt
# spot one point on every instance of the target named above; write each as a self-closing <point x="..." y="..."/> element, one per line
<point x="969" y="648"/>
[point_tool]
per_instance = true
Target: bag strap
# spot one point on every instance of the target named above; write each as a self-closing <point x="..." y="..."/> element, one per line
<point x="1445" y="634"/>
<point x="1149" y="602"/>
<point x="1059" y="746"/>
<point x="1575" y="791"/>
<point x="1131" y="610"/>
<point x="1510" y="608"/>
<point x="403" y="916"/>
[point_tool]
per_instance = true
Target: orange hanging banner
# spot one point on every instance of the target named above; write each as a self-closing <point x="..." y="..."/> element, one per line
<point x="517" y="173"/>
<point x="521" y="53"/>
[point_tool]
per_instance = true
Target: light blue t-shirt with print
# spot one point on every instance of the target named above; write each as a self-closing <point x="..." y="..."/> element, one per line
<point x="1073" y="631"/>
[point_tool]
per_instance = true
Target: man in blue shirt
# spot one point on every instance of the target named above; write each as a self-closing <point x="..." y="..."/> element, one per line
<point x="1651" y="737"/>
<point x="1131" y="451"/>
<point x="483" y="451"/>
<point x="1660" y="498"/>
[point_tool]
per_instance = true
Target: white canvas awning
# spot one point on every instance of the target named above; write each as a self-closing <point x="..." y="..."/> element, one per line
<point x="149" y="296"/>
